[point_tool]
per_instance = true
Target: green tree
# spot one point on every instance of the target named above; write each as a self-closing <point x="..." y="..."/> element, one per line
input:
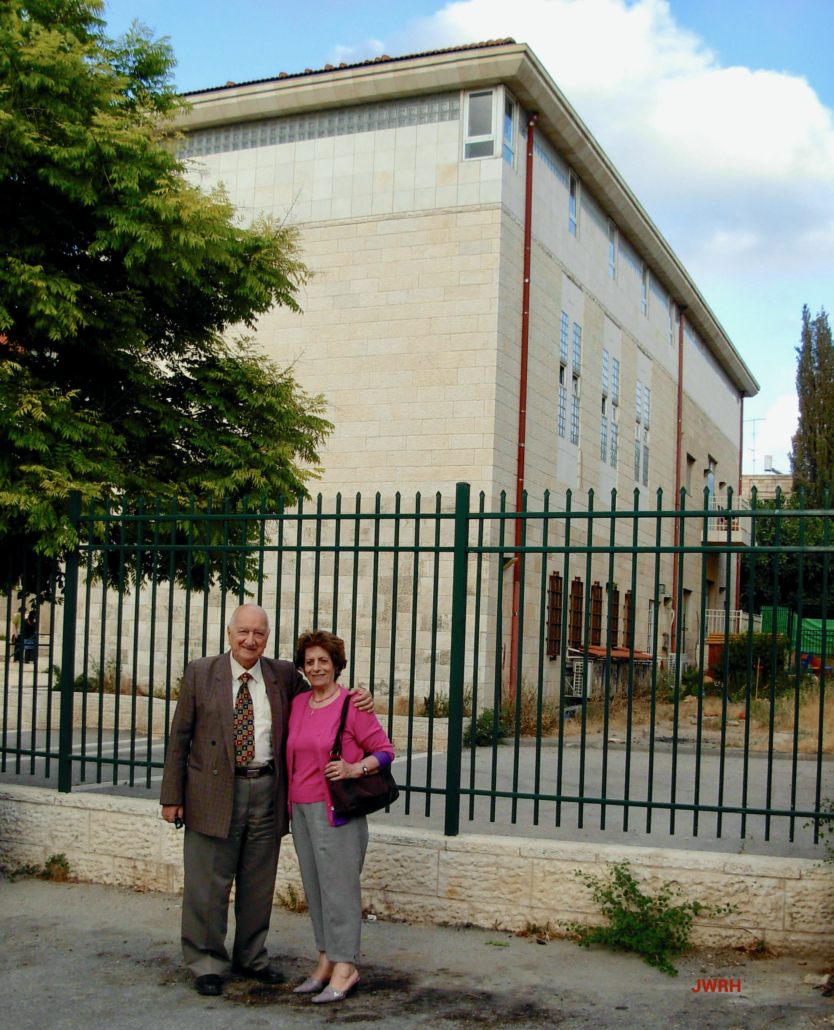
<point x="780" y="579"/>
<point x="812" y="460"/>
<point x="121" y="286"/>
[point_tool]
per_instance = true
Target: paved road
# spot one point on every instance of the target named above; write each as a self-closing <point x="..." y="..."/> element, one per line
<point x="575" y="823"/>
<point x="87" y="957"/>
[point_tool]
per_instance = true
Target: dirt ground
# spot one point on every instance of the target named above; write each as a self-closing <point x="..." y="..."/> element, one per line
<point x="87" y="957"/>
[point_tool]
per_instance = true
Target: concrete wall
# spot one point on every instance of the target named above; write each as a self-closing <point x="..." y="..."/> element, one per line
<point x="421" y="876"/>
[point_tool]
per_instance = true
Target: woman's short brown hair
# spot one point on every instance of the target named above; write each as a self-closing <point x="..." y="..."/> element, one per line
<point x="334" y="646"/>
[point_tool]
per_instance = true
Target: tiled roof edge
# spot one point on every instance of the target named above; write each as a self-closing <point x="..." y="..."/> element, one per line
<point x="384" y="59"/>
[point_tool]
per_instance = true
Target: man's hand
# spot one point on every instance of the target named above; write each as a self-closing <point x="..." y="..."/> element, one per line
<point x="170" y="813"/>
<point x="363" y="700"/>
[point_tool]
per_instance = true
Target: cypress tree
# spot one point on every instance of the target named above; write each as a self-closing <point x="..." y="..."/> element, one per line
<point x="812" y="460"/>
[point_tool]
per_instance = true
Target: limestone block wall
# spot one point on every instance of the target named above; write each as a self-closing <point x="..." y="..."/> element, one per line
<point x="421" y="876"/>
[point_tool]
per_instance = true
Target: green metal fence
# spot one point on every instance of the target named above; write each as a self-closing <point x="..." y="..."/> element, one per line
<point x="578" y="663"/>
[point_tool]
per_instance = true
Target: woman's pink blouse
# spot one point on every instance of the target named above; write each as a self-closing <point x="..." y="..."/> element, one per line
<point x="310" y="740"/>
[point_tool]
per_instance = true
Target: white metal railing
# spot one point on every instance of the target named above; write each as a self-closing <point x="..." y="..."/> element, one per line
<point x="716" y="621"/>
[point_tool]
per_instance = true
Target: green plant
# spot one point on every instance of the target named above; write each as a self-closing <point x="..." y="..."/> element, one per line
<point x="292" y="901"/>
<point x="523" y="712"/>
<point x="652" y="926"/>
<point x="438" y="705"/>
<point x="485" y="729"/>
<point x="762" y="655"/>
<point x="56" y="868"/>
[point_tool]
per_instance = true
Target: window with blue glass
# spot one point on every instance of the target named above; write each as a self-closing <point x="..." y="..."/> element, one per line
<point x="509" y="130"/>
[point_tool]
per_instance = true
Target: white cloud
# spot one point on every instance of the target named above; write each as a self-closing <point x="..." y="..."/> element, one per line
<point x="773" y="435"/>
<point x="729" y="161"/>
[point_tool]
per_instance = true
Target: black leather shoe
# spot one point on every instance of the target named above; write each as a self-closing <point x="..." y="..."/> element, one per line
<point x="210" y="984"/>
<point x="267" y="975"/>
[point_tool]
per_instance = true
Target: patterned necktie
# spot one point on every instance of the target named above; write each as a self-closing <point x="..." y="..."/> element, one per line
<point x="244" y="723"/>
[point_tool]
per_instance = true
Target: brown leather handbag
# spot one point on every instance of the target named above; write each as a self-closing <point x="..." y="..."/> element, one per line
<point x="367" y="794"/>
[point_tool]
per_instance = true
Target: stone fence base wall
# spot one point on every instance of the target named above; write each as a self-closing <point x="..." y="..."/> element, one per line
<point x="422" y="876"/>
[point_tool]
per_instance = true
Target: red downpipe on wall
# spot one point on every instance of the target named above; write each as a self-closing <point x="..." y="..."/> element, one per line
<point x="738" y="495"/>
<point x="678" y="448"/>
<point x="522" y="402"/>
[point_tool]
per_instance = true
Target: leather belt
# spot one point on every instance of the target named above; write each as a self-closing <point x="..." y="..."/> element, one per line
<point x="252" y="772"/>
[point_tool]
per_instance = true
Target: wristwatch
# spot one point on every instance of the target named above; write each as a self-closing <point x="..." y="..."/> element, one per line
<point x="364" y="769"/>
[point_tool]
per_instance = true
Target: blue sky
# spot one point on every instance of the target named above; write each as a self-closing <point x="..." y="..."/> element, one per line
<point x="719" y="114"/>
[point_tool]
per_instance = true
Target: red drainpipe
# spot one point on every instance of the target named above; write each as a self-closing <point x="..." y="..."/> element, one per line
<point x="679" y="440"/>
<point x="522" y="401"/>
<point x="738" y="495"/>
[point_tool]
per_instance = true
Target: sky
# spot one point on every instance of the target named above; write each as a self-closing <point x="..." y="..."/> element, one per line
<point x="718" y="113"/>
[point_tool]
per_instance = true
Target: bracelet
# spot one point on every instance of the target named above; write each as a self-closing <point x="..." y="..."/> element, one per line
<point x="364" y="769"/>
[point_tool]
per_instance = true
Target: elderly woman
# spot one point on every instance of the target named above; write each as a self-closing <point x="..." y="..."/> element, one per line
<point x="330" y="849"/>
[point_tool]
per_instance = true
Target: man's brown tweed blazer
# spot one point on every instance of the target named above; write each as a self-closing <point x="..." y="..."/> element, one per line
<point x="199" y="769"/>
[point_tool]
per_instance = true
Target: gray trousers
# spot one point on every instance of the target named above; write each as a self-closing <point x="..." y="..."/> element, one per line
<point x="249" y="857"/>
<point x="331" y="859"/>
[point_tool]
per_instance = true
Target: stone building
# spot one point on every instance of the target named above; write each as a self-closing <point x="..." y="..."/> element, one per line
<point x="418" y="185"/>
<point x="408" y="179"/>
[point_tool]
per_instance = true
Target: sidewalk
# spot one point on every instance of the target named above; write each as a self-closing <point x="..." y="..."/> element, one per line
<point x="87" y="957"/>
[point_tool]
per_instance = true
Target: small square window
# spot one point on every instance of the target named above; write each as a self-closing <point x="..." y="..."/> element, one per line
<point x="480" y="131"/>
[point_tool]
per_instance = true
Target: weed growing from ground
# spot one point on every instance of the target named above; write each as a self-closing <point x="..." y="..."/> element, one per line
<point x="651" y="926"/>
<point x="56" y="868"/>
<point x="292" y="901"/>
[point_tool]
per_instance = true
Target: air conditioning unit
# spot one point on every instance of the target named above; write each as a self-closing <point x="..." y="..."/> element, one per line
<point x="673" y="662"/>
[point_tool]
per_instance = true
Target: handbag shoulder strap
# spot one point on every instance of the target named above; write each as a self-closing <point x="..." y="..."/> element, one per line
<point x="336" y="750"/>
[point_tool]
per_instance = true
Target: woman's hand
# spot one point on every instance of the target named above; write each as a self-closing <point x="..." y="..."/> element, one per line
<point x="342" y="770"/>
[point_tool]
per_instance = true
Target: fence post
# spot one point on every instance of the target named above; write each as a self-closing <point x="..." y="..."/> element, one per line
<point x="68" y="652"/>
<point x="456" y="664"/>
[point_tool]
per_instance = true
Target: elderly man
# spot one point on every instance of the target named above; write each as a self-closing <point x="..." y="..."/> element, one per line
<point x="224" y="778"/>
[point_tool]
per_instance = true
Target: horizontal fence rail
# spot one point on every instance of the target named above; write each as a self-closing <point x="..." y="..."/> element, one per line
<point x="580" y="664"/>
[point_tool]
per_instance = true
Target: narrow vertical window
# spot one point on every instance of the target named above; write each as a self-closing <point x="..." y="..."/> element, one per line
<point x="612" y="250"/>
<point x="671" y="321"/>
<point x="638" y="450"/>
<point x="646" y="407"/>
<point x="563" y="402"/>
<point x="615" y="381"/>
<point x="645" y="464"/>
<point x="576" y="606"/>
<point x="639" y="404"/>
<point x="604" y="373"/>
<point x="574" y="412"/>
<point x="480" y="134"/>
<point x="577" y="349"/>
<point x="574" y="192"/>
<point x="596" y="615"/>
<point x="614" y="622"/>
<point x="627" y="620"/>
<point x="603" y="436"/>
<point x="509" y="131"/>
<point x="615" y="433"/>
<point x="563" y="339"/>
<point x="554" y="615"/>
<point x="644" y="291"/>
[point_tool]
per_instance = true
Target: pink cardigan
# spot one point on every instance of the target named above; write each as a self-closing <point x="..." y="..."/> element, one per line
<point x="362" y="736"/>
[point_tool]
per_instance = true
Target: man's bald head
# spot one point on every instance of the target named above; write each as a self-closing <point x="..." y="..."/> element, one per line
<point x="248" y="632"/>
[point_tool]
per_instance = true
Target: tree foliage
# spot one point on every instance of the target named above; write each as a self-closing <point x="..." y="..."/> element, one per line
<point x="771" y="579"/>
<point x="121" y="286"/>
<point x="813" y="446"/>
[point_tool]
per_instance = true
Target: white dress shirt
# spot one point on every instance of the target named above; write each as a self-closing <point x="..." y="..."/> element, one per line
<point x="260" y="706"/>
